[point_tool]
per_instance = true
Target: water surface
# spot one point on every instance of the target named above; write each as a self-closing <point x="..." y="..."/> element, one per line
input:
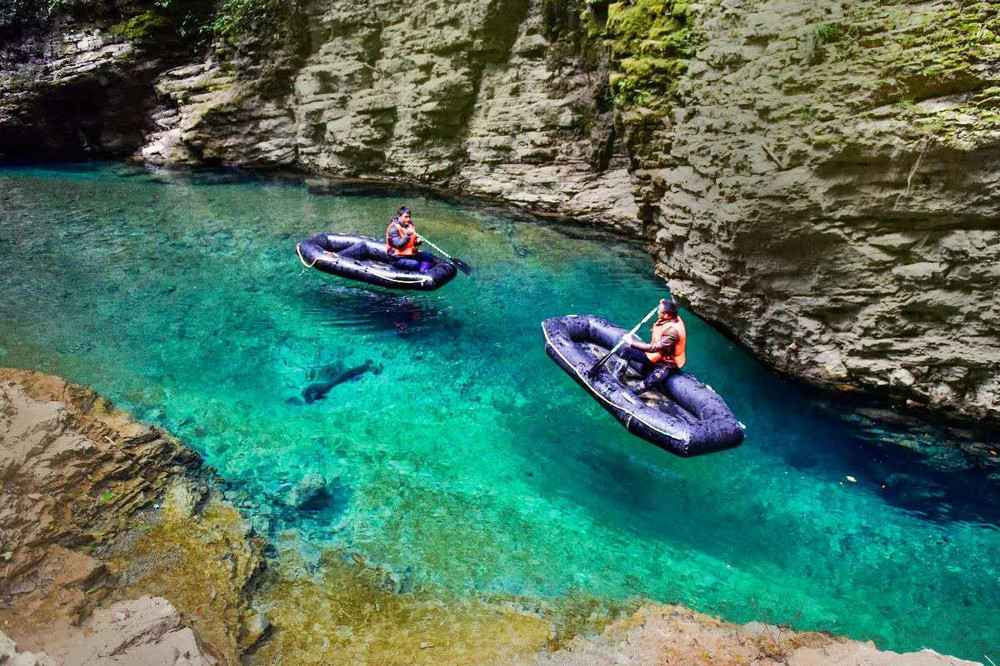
<point x="470" y="460"/>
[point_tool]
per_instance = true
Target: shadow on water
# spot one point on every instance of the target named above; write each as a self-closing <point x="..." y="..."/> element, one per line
<point x="357" y="308"/>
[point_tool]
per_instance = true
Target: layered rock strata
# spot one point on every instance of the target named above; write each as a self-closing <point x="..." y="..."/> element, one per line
<point x="819" y="179"/>
<point x="466" y="96"/>
<point x="75" y="92"/>
<point x="825" y="187"/>
<point x="85" y="493"/>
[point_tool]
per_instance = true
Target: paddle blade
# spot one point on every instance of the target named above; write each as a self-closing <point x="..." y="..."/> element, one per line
<point x="461" y="265"/>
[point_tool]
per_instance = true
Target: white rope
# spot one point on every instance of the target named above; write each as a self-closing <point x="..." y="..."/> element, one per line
<point x="298" y="251"/>
<point x="418" y="280"/>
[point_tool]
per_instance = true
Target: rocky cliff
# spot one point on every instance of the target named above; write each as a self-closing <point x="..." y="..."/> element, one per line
<point x="823" y="184"/>
<point x="119" y="547"/>
<point x="816" y="178"/>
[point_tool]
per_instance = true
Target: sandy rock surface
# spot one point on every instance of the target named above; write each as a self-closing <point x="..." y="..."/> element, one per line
<point x="142" y="632"/>
<point x="83" y="491"/>
<point x="657" y="635"/>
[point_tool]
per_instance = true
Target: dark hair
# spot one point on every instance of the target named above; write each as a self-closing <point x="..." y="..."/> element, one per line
<point x="669" y="305"/>
<point x="402" y="209"/>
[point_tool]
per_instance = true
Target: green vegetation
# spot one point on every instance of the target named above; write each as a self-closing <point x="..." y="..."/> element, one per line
<point x="830" y="33"/>
<point x="238" y="18"/>
<point x="148" y="20"/>
<point x="650" y="43"/>
<point x="18" y="14"/>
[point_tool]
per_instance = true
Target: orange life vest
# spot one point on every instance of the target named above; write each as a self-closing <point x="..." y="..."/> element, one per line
<point x="407" y="250"/>
<point x="660" y="328"/>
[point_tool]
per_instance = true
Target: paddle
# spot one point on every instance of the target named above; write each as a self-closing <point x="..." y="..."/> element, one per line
<point x="457" y="263"/>
<point x="604" y="359"/>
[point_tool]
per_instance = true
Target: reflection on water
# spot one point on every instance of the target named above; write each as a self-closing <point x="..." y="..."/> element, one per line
<point x="431" y="432"/>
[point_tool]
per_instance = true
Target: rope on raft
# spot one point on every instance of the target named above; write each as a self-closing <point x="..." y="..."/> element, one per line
<point x="298" y="251"/>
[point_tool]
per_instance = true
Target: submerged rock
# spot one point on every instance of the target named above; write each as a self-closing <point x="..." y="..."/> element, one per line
<point x="657" y="635"/>
<point x="308" y="493"/>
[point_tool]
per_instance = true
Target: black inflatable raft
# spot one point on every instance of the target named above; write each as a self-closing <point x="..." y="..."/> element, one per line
<point x="364" y="259"/>
<point x="682" y="416"/>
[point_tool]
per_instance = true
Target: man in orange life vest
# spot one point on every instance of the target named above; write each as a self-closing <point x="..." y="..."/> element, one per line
<point x="401" y="241"/>
<point x="664" y="355"/>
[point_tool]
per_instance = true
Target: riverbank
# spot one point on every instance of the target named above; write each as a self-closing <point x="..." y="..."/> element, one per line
<point x="118" y="540"/>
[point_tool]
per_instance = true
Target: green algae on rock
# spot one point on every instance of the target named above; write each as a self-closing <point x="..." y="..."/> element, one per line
<point x="831" y="144"/>
<point x="199" y="554"/>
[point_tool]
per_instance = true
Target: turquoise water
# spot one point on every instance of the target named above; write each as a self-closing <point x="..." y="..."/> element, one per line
<point x="180" y="297"/>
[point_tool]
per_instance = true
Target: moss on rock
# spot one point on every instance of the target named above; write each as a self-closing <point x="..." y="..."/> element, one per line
<point x="650" y="43"/>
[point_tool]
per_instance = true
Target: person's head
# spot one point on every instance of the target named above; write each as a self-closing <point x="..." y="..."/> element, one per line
<point x="668" y="309"/>
<point x="403" y="214"/>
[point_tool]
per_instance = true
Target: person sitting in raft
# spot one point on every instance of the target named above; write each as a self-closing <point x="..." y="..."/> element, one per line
<point x="401" y="241"/>
<point x="664" y="355"/>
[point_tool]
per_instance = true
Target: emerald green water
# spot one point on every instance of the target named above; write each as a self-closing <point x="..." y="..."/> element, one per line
<point x="471" y="460"/>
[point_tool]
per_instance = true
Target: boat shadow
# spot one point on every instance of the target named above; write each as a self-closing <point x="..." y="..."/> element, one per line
<point x="371" y="309"/>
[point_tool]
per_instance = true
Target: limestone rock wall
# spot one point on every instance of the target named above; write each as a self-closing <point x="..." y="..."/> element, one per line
<point x="825" y="187"/>
<point x="78" y="90"/>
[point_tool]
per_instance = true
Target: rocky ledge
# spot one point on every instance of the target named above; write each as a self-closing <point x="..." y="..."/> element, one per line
<point x="119" y="549"/>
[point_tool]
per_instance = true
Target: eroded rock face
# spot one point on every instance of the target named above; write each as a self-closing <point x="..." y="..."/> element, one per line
<point x="826" y="188"/>
<point x="75" y="91"/>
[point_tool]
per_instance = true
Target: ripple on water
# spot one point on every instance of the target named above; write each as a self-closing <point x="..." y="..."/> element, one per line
<point x="179" y="295"/>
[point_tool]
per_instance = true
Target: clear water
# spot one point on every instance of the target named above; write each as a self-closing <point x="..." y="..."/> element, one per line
<point x="471" y="459"/>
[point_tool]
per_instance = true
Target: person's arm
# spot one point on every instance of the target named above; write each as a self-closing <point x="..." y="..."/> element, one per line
<point x="664" y="344"/>
<point x="397" y="238"/>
